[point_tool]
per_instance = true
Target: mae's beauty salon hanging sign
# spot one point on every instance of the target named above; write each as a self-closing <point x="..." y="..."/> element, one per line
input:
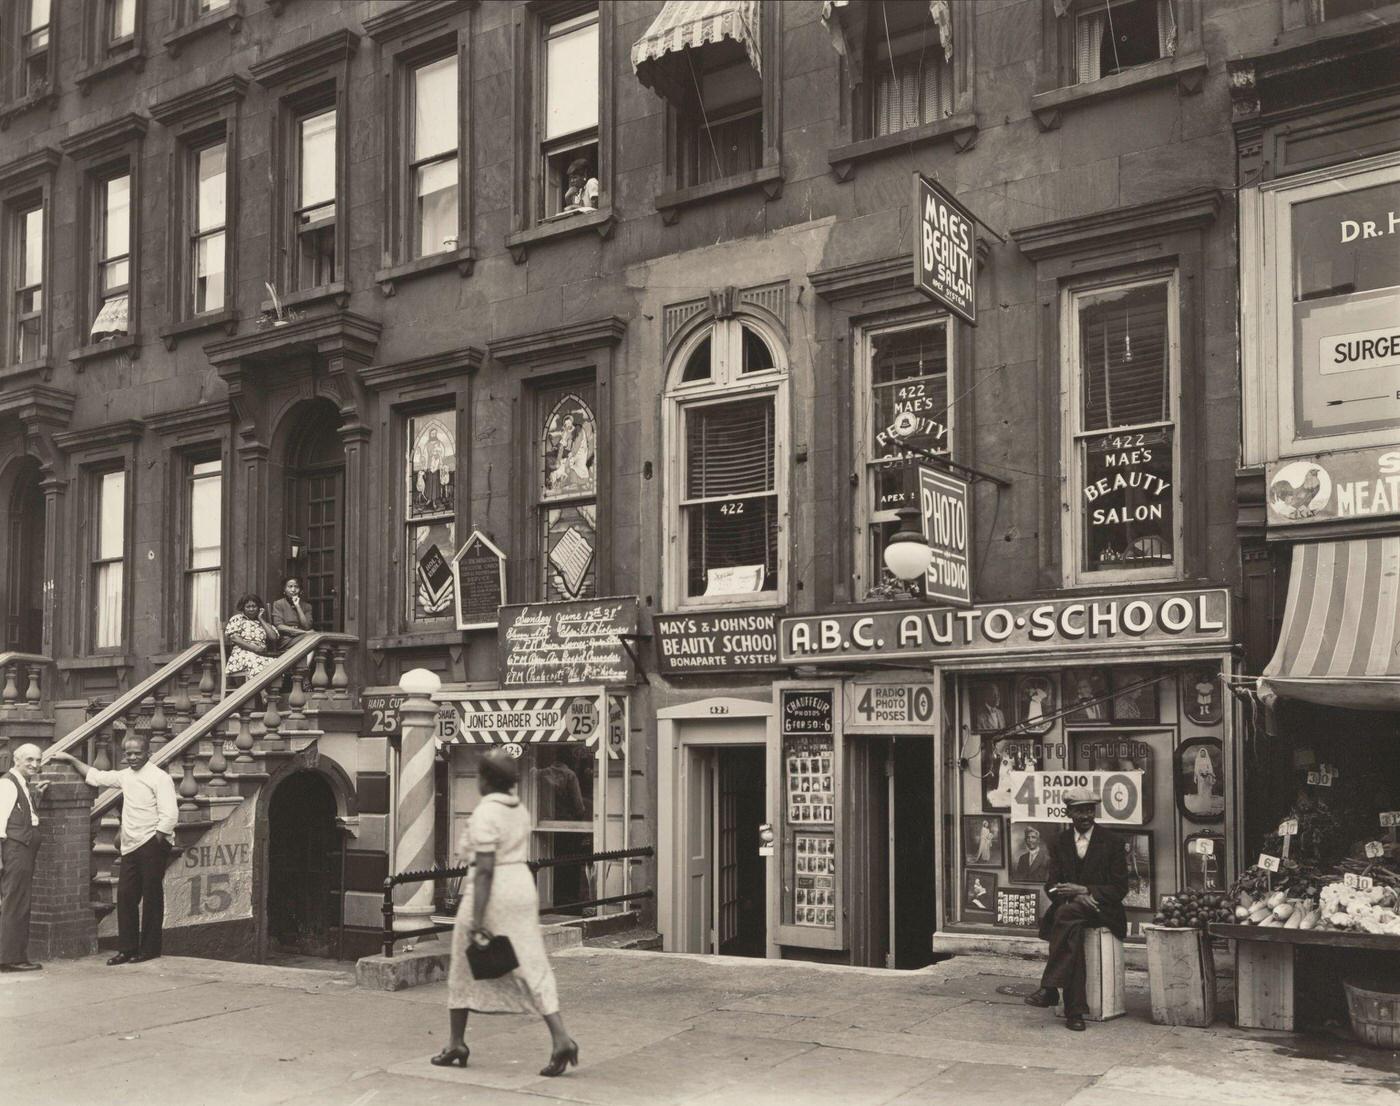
<point x="1192" y="618"/>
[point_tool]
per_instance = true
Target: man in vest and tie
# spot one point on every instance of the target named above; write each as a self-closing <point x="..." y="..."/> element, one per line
<point x="19" y="846"/>
<point x="1087" y="882"/>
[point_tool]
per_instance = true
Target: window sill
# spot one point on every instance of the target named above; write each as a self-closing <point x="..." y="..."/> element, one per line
<point x="47" y="98"/>
<point x="1175" y="581"/>
<point x="769" y="178"/>
<point x="10" y="374"/>
<point x="96" y="663"/>
<point x="131" y="345"/>
<point x="561" y="226"/>
<point x="172" y="334"/>
<point x="767" y="600"/>
<point x="960" y="129"/>
<point x="1188" y="71"/>
<point x="464" y="258"/>
<point x="130" y="59"/>
<point x="174" y="42"/>
<point x="421" y="640"/>
<point x="309" y="297"/>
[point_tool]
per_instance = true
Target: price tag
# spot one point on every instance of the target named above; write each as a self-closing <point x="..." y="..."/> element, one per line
<point x="1314" y="778"/>
<point x="1358" y="883"/>
<point x="1268" y="863"/>
<point x="1288" y="827"/>
<point x="1324" y="779"/>
<point x="1390" y="818"/>
<point x="1203" y="846"/>
<point x="1374" y="849"/>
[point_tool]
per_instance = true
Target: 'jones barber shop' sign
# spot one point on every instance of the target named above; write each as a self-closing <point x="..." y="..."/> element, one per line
<point x="1162" y="618"/>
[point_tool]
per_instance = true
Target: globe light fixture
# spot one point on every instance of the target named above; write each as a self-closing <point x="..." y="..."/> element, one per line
<point x="907" y="552"/>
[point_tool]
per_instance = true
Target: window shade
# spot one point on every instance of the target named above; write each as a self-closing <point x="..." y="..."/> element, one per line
<point x="729" y="449"/>
<point x="1123" y="358"/>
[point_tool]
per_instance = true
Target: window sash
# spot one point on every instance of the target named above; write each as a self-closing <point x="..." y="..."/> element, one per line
<point x="115" y="211"/>
<point x="436" y="214"/>
<point x="121" y="21"/>
<point x="316" y="161"/>
<point x="39" y="15"/>
<point x="435" y="121"/>
<point x="108" y="582"/>
<point x="571" y="70"/>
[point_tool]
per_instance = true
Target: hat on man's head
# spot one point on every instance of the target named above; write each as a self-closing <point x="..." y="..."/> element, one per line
<point x="1080" y="796"/>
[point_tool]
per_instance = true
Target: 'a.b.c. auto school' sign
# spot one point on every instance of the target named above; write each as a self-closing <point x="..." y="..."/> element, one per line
<point x="1199" y="617"/>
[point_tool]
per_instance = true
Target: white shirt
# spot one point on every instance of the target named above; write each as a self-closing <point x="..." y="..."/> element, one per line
<point x="149" y="805"/>
<point x="8" y="799"/>
<point x="1081" y="842"/>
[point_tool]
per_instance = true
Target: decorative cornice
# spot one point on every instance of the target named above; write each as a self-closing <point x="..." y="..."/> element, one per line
<point x="96" y="437"/>
<point x="207" y="98"/>
<point x="424" y="370"/>
<point x="331" y="49"/>
<point x="886" y="274"/>
<point x="203" y="416"/>
<point x="130" y="127"/>
<point x="1124" y="224"/>
<point x="343" y="331"/>
<point x="38" y="163"/>
<point x="406" y="18"/>
<point x="38" y="403"/>
<point x="559" y="341"/>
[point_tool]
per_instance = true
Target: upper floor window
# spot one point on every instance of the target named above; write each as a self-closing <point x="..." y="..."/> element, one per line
<point x="108" y="559"/>
<point x="315" y="212"/>
<point x="35" y="44"/>
<point x="569" y="109"/>
<point x="1124" y="380"/>
<point x="727" y="475"/>
<point x="910" y="82"/>
<point x="566" y="495"/>
<point x="207" y="227"/>
<point x="27" y="284"/>
<point x="204" y="506"/>
<point x="433" y="164"/>
<point x="722" y="136"/>
<point x="905" y="400"/>
<point x="204" y="7"/>
<point x="119" y="28"/>
<point x="1337" y="9"/>
<point x="1118" y="35"/>
<point x="112" y="273"/>
<point x="431" y="497"/>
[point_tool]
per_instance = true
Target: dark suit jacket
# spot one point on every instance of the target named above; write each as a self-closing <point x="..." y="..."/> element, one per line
<point x="1024" y="871"/>
<point x="284" y="614"/>
<point x="1104" y="870"/>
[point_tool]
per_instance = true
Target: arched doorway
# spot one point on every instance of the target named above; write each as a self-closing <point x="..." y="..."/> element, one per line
<point x="24" y="613"/>
<point x="316" y="511"/>
<point x="303" y="866"/>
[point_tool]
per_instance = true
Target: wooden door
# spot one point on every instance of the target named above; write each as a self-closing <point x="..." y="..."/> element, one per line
<point x="24" y="616"/>
<point x="320" y="509"/>
<point x="868" y="850"/>
<point x="727" y="786"/>
<point x="697" y="765"/>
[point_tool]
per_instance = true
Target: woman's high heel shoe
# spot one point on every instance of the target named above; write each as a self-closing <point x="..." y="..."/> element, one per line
<point x="450" y="1056"/>
<point x="558" y="1061"/>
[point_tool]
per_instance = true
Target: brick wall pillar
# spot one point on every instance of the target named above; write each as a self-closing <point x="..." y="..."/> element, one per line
<point x="62" y="924"/>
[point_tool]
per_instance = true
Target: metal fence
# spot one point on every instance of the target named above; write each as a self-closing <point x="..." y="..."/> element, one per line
<point x="423" y="875"/>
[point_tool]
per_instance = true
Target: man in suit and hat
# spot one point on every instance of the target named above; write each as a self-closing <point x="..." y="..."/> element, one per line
<point x="1087" y="882"/>
<point x="19" y="846"/>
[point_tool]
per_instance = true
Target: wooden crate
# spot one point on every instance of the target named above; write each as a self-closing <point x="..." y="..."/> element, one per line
<point x="1181" y="975"/>
<point x="1103" y="974"/>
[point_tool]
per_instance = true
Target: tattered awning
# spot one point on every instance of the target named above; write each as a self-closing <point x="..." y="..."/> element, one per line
<point x="112" y="320"/>
<point x="1340" y="642"/>
<point x="690" y="24"/>
<point x="837" y="16"/>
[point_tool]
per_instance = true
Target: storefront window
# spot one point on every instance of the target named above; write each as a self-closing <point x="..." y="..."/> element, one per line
<point x="1125" y="431"/>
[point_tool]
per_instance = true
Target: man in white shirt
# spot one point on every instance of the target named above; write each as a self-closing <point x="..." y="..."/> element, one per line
<point x="19" y="847"/>
<point x="150" y="810"/>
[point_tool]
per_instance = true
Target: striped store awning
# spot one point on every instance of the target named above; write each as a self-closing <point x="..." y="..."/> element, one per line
<point x="686" y="24"/>
<point x="528" y="719"/>
<point x="1340" y="642"/>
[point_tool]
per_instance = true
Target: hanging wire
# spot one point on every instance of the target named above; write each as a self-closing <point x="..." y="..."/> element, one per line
<point x="1112" y="36"/>
<point x="704" y="115"/>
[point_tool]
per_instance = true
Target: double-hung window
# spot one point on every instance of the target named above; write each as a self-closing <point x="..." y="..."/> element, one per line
<point x="1116" y="35"/>
<point x="728" y="469"/>
<point x="27" y="282"/>
<point x="1124" y="521"/>
<point x="119" y="25"/>
<point x="911" y="82"/>
<point x="569" y="123"/>
<point x="204" y="7"/>
<point x="108" y="558"/>
<point x="36" y="42"/>
<point x="209" y="197"/>
<point x="204" y="548"/>
<point x="112" y="293"/>
<point x="906" y="403"/>
<point x="433" y="166"/>
<point x="315" y="212"/>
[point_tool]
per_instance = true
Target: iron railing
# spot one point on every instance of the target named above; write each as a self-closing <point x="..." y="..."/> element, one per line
<point x="425" y="874"/>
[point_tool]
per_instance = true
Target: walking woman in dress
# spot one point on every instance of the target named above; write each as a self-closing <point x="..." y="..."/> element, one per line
<point x="501" y="900"/>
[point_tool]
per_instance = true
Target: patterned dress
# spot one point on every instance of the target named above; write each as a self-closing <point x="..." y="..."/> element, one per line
<point x="501" y="825"/>
<point x="240" y="659"/>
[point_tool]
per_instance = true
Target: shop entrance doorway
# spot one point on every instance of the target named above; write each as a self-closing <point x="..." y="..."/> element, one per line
<point x="725" y="876"/>
<point x="316" y="512"/>
<point x="893" y="912"/>
<point x="24" y="617"/>
<point x="303" y="866"/>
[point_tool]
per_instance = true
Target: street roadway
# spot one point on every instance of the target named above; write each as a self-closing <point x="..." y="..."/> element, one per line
<point x="654" y="1029"/>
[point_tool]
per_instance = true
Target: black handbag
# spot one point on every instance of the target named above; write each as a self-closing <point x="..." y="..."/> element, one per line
<point x="491" y="959"/>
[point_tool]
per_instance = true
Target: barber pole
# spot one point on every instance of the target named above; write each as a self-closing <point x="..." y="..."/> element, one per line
<point x="413" y="902"/>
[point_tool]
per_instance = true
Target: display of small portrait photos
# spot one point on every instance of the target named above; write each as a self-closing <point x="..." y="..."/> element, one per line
<point x="1202" y="695"/>
<point x="814" y="884"/>
<point x="811" y="791"/>
<point x="1200" y="779"/>
<point x="990" y="705"/>
<point x="1135" y="695"/>
<point x="1203" y="862"/>
<point x="984" y="840"/>
<point x="1086" y="690"/>
<point x="1035" y="702"/>
<point x="1020" y="909"/>
<point x="979" y="893"/>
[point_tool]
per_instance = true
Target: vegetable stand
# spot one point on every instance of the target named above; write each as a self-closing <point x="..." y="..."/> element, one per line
<point x="1264" y="964"/>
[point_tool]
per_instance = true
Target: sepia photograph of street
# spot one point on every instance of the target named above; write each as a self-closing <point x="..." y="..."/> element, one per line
<point x="700" y="552"/>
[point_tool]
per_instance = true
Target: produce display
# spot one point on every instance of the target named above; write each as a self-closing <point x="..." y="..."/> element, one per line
<point x="1278" y="908"/>
<point x="1193" y="910"/>
<point x="1370" y="911"/>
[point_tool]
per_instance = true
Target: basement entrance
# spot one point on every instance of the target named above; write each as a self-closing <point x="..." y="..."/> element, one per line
<point x="303" y="867"/>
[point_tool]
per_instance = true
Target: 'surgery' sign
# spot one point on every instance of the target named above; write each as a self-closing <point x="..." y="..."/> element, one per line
<point x="1170" y="617"/>
<point x="567" y="644"/>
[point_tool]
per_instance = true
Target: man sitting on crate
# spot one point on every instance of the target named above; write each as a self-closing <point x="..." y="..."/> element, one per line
<point x="1088" y="879"/>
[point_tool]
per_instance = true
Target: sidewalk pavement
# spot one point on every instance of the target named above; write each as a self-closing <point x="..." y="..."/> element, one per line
<point x="653" y="1028"/>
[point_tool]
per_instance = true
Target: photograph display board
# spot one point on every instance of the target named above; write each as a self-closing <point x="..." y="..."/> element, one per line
<point x="811" y="889"/>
